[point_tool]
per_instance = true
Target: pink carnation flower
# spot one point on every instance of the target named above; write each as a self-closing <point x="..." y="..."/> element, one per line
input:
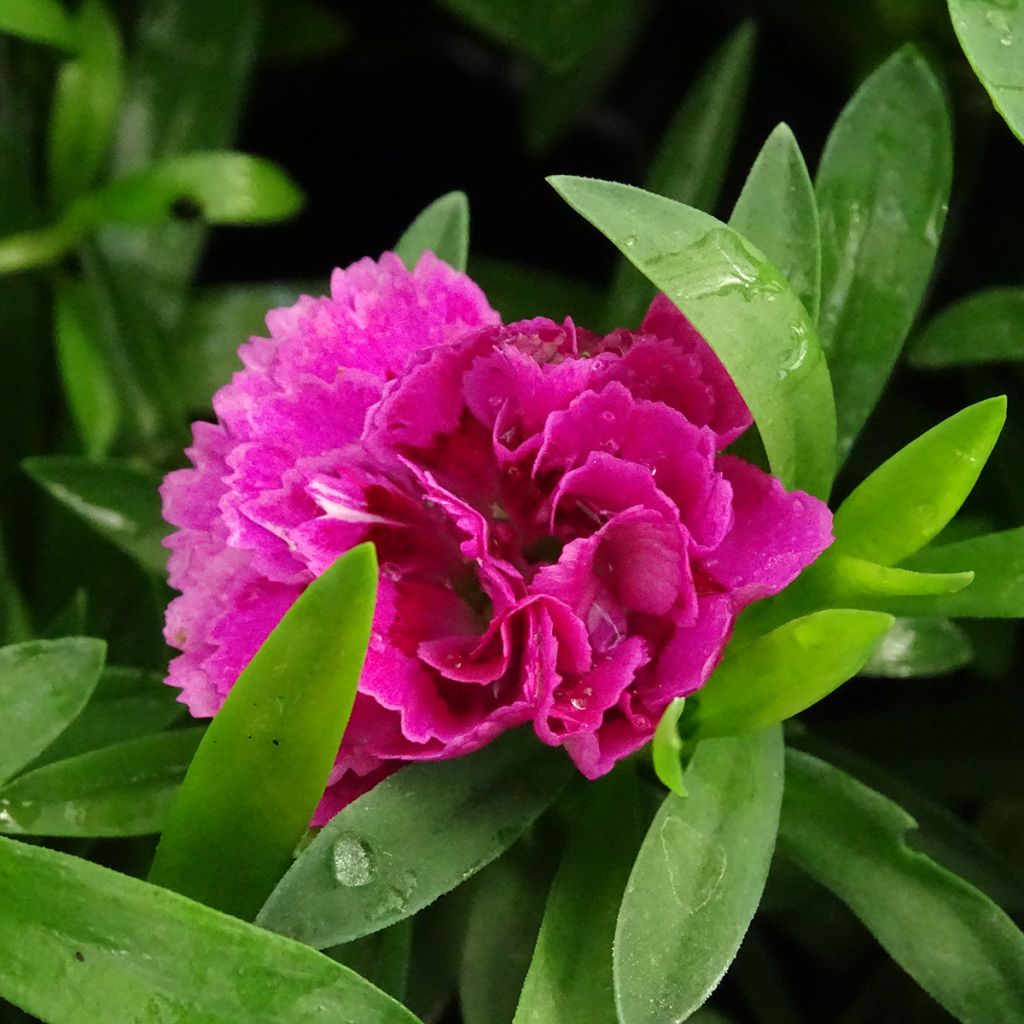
<point x="561" y="540"/>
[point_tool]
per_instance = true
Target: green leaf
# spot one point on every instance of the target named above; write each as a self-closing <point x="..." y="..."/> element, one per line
<point x="911" y="497"/>
<point x="125" y="951"/>
<point x="570" y="975"/>
<point x="222" y="187"/>
<point x="263" y="765"/>
<point x="15" y="621"/>
<point x="997" y="591"/>
<point x="519" y="292"/>
<point x="882" y="189"/>
<point x="992" y="35"/>
<point x="858" y="580"/>
<point x="86" y="105"/>
<point x="43" y="21"/>
<point x="381" y="958"/>
<point x="442" y="228"/>
<point x="920" y="647"/>
<point x="414" y="836"/>
<point x="26" y="250"/>
<point x="782" y="673"/>
<point x="302" y="30"/>
<point x="44" y="684"/>
<point x="91" y="391"/>
<point x="698" y="879"/>
<point x="732" y="295"/>
<point x="127" y="703"/>
<point x="121" y="790"/>
<point x="117" y="499"/>
<point x="986" y="327"/>
<point x="694" y="153"/>
<point x="667" y="748"/>
<point x="957" y="944"/>
<point x="777" y="211"/>
<point x="220" y="320"/>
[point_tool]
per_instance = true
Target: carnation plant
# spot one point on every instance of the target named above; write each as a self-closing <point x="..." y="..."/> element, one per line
<point x="462" y="661"/>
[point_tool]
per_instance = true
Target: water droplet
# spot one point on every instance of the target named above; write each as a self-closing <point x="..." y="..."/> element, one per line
<point x="352" y="862"/>
<point x="377" y="641"/>
<point x="391" y="570"/>
<point x="608" y="416"/>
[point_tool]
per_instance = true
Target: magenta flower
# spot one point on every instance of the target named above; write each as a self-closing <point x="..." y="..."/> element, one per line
<point x="561" y="540"/>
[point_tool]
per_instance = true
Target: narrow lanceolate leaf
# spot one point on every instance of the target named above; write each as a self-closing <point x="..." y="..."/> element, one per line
<point x="920" y="647"/>
<point x="882" y="188"/>
<point x="667" y="748"/>
<point x="732" y="294"/>
<point x="997" y="591"/>
<point x="694" y="153"/>
<point x="570" y="975"/>
<point x="442" y="228"/>
<point x="88" y="383"/>
<point x="86" y="105"/>
<point x="42" y="21"/>
<point x="263" y="764"/>
<point x="957" y="944"/>
<point x="992" y="35"/>
<point x="777" y="211"/>
<point x="381" y="958"/>
<point x="987" y="327"/>
<point x="117" y="499"/>
<point x="698" y="879"/>
<point x="911" y="497"/>
<point x="221" y="187"/>
<point x="124" y="951"/>
<point x="412" y="838"/>
<point x="121" y="790"/>
<point x="44" y="684"/>
<point x="782" y="673"/>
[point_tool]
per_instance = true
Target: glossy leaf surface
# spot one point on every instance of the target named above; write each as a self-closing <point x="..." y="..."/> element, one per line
<point x="121" y="790"/>
<point x="777" y="211"/>
<point x="698" y="879"/>
<point x="782" y="673"/>
<point x="911" y="497"/>
<point x="985" y="327"/>
<point x="732" y="295"/>
<point x="82" y="944"/>
<point x="263" y="764"/>
<point x="413" y="837"/>
<point x="957" y="944"/>
<point x="442" y="228"/>
<point x="44" y="684"/>
<point x="882" y="189"/>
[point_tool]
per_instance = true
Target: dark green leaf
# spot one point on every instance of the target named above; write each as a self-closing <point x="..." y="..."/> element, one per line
<point x="920" y="647"/>
<point x="778" y="675"/>
<point x="698" y="879"/>
<point x="82" y="944"/>
<point x="85" y="106"/>
<point x="121" y="790"/>
<point x="263" y="765"/>
<point x="570" y="975"/>
<point x="986" y="327"/>
<point x="957" y="944"/>
<point x="381" y="958"/>
<point x="91" y="392"/>
<point x="127" y="703"/>
<point x="442" y="228"/>
<point x="15" y="622"/>
<point x="302" y="30"/>
<point x="882" y="188"/>
<point x="732" y="295"/>
<point x="44" y="684"/>
<point x="43" y="21"/>
<point x="519" y="292"/>
<point x="222" y="187"/>
<point x="777" y="211"/>
<point x="414" y="836"/>
<point x="694" y="153"/>
<point x="904" y="503"/>
<point x="667" y="748"/>
<point x="117" y="499"/>
<point x="992" y="35"/>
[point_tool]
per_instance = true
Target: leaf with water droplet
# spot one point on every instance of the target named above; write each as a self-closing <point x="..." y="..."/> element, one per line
<point x="352" y="861"/>
<point x="698" y="879"/>
<point x="780" y="674"/>
<point x="882" y="189"/>
<point x="429" y="827"/>
<point x="992" y="35"/>
<point x="732" y="294"/>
